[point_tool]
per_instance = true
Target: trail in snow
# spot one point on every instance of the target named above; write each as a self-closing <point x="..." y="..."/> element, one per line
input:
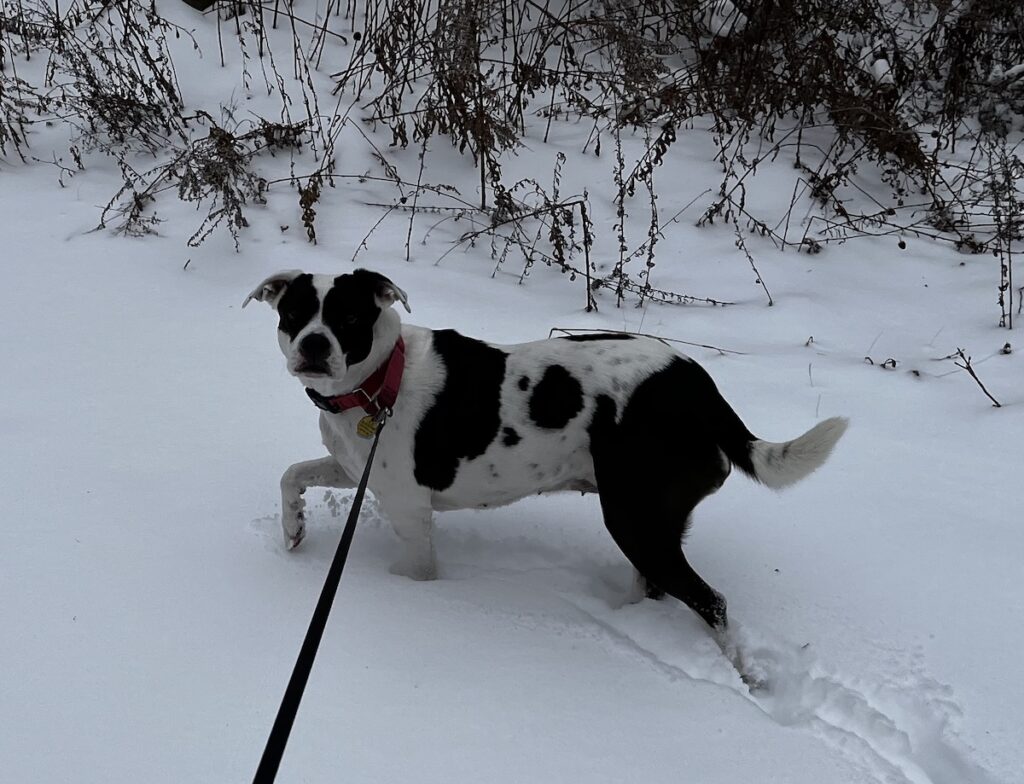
<point x="902" y="737"/>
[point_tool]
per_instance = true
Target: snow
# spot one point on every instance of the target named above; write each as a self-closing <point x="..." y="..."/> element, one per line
<point x="151" y="614"/>
<point x="722" y="18"/>
<point x="882" y="71"/>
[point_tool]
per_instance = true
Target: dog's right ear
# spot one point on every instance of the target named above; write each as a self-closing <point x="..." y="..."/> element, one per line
<point x="271" y="289"/>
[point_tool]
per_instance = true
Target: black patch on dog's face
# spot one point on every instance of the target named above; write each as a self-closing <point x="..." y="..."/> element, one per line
<point x="298" y="305"/>
<point x="524" y="383"/>
<point x="351" y="310"/>
<point x="465" y="416"/>
<point x="510" y="437"/>
<point x="556" y="399"/>
<point x="598" y="336"/>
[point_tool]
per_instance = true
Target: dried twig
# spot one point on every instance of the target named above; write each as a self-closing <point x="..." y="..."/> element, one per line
<point x="966" y="360"/>
<point x="575" y="331"/>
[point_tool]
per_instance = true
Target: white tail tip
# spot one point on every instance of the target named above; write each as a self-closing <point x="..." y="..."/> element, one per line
<point x="781" y="465"/>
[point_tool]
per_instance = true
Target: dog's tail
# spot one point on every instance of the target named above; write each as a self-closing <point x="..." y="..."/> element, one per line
<point x="779" y="465"/>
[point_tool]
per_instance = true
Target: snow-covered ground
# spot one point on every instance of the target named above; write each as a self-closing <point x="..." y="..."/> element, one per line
<point x="151" y="616"/>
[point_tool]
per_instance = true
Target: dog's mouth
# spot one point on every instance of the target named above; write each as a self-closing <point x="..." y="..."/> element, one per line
<point x="306" y="368"/>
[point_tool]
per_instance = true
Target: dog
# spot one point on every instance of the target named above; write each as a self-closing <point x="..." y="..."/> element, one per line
<point x="474" y="425"/>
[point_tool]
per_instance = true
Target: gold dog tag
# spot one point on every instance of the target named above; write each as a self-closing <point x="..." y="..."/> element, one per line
<point x="366" y="427"/>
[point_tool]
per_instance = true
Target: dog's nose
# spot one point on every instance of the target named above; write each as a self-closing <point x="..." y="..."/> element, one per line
<point x="315" y="347"/>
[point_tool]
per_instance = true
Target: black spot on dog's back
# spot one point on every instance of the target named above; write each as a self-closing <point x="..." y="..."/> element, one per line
<point x="298" y="305"/>
<point x="598" y="336"/>
<point x="464" y="418"/>
<point x="510" y="437"/>
<point x="556" y="399"/>
<point x="524" y="383"/>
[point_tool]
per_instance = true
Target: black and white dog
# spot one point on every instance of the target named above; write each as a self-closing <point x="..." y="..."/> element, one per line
<point x="476" y="425"/>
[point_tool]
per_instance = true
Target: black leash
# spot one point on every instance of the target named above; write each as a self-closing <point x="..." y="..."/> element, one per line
<point x="278" y="739"/>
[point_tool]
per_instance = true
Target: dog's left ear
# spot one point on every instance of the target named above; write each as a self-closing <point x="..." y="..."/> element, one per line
<point x="271" y="289"/>
<point x="387" y="293"/>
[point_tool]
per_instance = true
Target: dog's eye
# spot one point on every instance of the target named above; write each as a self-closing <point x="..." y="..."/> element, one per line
<point x="349" y="320"/>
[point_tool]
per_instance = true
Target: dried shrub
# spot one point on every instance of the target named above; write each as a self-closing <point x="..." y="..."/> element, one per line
<point x="898" y="92"/>
<point x="901" y="117"/>
<point x="215" y="171"/>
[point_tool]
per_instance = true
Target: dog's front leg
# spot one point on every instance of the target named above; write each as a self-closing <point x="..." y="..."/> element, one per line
<point x="414" y="524"/>
<point x="324" y="472"/>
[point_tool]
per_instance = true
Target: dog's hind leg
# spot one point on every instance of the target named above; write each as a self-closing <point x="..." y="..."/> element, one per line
<point x="647" y="503"/>
<point x="653" y="546"/>
<point x="649" y="534"/>
<point x="324" y="472"/>
<point x="647" y="506"/>
<point x="642" y="588"/>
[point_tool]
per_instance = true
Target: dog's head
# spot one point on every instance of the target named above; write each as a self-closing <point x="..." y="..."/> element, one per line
<point x="333" y="331"/>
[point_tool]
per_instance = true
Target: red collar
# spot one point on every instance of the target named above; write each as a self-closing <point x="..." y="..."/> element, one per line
<point x="378" y="393"/>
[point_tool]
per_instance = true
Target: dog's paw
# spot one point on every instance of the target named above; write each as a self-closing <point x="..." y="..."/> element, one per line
<point x="641" y="589"/>
<point x="291" y="542"/>
<point x="753" y="673"/>
<point x="636" y="593"/>
<point x="294" y="531"/>
<point x="415" y="568"/>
